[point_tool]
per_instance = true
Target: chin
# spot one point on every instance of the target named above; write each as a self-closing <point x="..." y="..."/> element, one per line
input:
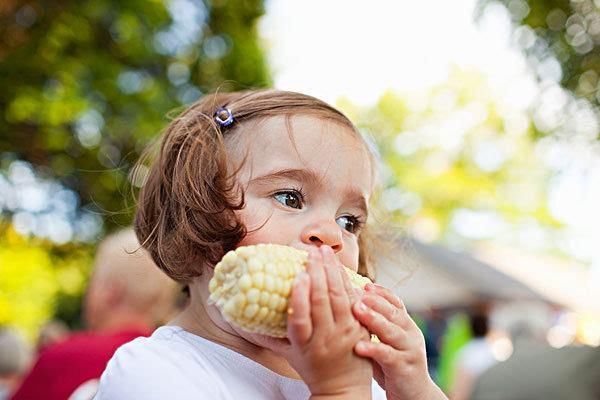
<point x="277" y="345"/>
<point x="254" y="338"/>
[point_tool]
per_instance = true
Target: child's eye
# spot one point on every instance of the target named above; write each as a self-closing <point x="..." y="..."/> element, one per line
<point x="350" y="223"/>
<point x="291" y="198"/>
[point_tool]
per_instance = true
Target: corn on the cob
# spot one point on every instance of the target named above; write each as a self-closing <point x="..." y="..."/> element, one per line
<point x="251" y="286"/>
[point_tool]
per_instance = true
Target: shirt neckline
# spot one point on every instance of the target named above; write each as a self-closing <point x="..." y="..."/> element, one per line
<point x="230" y="354"/>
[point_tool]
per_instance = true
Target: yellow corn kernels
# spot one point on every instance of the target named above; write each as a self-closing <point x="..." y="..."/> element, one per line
<point x="251" y="286"/>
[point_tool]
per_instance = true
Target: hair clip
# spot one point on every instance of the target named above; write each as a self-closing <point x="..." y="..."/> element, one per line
<point x="224" y="117"/>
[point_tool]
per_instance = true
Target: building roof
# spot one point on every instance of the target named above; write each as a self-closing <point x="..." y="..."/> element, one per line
<point x="430" y="276"/>
<point x="568" y="283"/>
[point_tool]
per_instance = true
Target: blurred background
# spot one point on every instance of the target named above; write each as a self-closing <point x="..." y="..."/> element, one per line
<point x="485" y="113"/>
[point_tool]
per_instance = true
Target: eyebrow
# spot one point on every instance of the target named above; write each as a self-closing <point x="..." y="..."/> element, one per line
<point x="299" y="175"/>
<point x="312" y="179"/>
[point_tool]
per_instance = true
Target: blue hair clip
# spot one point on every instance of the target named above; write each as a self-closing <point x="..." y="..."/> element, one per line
<point x="223" y="116"/>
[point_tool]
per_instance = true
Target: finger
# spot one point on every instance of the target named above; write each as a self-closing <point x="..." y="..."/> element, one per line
<point x="338" y="297"/>
<point x="320" y="309"/>
<point x="377" y="324"/>
<point x="299" y="323"/>
<point x="396" y="315"/>
<point x="383" y="354"/>
<point x="385" y="293"/>
<point x="353" y="293"/>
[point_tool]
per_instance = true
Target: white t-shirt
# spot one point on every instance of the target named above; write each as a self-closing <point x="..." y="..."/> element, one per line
<point x="174" y="364"/>
<point x="476" y="356"/>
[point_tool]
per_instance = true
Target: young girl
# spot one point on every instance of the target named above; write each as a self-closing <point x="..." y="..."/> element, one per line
<point x="267" y="167"/>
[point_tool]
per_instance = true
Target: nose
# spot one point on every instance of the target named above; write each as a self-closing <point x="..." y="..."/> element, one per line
<point x="323" y="233"/>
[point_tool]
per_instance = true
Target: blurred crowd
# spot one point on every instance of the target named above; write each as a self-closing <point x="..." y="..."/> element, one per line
<point x="505" y="354"/>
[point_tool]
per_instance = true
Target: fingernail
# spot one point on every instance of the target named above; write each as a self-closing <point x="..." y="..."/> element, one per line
<point x="361" y="346"/>
<point x="361" y="306"/>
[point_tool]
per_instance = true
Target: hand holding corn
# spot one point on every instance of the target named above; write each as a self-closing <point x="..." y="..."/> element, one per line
<point x="251" y="286"/>
<point x="399" y="359"/>
<point x="321" y="329"/>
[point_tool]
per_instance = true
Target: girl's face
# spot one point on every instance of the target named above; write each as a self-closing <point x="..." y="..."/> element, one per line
<point x="308" y="190"/>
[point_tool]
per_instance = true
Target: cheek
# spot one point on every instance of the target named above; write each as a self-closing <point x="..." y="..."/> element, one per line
<point x="350" y="255"/>
<point x="264" y="226"/>
<point x="254" y="214"/>
<point x="266" y="234"/>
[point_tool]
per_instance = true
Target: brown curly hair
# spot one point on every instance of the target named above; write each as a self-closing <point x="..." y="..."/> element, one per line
<point x="186" y="208"/>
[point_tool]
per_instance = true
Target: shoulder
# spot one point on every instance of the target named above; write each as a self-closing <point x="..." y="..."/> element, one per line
<point x="474" y="348"/>
<point x="476" y="356"/>
<point x="79" y="343"/>
<point x="158" y="367"/>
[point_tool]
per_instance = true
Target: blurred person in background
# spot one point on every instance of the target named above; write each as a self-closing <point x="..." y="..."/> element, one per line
<point x="127" y="297"/>
<point x="473" y="358"/>
<point x="537" y="371"/>
<point x="15" y="359"/>
<point x="51" y="333"/>
<point x="435" y="328"/>
<point x="542" y="372"/>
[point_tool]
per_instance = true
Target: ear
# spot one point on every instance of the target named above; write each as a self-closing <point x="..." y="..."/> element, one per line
<point x="91" y="305"/>
<point x="114" y="294"/>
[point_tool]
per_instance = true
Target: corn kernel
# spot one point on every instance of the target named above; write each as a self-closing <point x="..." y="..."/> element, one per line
<point x="251" y="310"/>
<point x="253" y="295"/>
<point x="258" y="280"/>
<point x="262" y="313"/>
<point x="245" y="282"/>
<point x="269" y="283"/>
<point x="264" y="298"/>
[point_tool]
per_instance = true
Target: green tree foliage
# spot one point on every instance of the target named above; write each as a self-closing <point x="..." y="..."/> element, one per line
<point x="86" y="85"/>
<point x="39" y="280"/>
<point x="459" y="167"/>
<point x="567" y="30"/>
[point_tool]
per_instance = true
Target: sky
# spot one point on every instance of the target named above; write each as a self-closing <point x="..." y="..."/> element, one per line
<point x="358" y="50"/>
<point x="333" y="48"/>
